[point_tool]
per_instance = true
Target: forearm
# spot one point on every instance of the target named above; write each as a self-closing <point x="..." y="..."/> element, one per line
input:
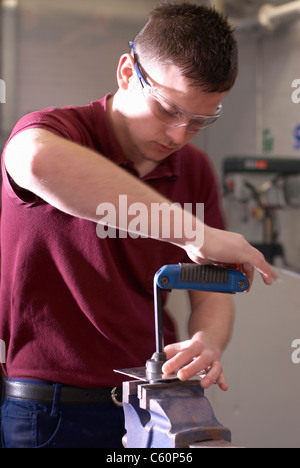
<point x="212" y="318"/>
<point x="69" y="176"/>
<point x="210" y="327"/>
<point x="76" y="180"/>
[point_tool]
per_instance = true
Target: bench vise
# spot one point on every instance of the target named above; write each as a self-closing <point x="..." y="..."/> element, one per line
<point x="160" y="410"/>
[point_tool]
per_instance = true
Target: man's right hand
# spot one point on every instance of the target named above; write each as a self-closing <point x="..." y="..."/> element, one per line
<point x="223" y="247"/>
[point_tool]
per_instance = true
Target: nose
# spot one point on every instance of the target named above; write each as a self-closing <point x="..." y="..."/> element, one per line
<point x="178" y="135"/>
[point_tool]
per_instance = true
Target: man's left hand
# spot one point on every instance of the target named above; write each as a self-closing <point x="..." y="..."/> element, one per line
<point x="196" y="356"/>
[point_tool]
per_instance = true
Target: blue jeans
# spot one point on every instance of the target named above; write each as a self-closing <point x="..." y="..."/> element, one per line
<point x="26" y="424"/>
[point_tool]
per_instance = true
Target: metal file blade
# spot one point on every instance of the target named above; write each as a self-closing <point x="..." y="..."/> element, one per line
<point x="140" y="373"/>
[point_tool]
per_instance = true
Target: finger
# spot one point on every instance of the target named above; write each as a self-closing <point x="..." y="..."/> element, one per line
<point x="195" y="367"/>
<point x="255" y="258"/>
<point x="180" y="359"/>
<point x="222" y="383"/>
<point x="206" y="383"/>
<point x="172" y="349"/>
<point x="248" y="271"/>
<point x="215" y="376"/>
<point x="258" y="261"/>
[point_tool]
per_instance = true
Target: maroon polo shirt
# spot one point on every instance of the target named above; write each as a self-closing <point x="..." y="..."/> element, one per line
<point x="74" y="307"/>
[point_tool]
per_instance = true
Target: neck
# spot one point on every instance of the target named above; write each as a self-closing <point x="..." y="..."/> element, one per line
<point x="119" y="124"/>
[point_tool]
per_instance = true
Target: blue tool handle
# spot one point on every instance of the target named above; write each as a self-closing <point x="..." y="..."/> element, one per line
<point x="191" y="276"/>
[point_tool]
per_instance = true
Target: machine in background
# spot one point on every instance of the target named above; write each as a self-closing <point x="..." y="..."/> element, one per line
<point x="270" y="184"/>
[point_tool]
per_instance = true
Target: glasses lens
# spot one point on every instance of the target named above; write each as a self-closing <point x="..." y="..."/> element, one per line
<point x="161" y="109"/>
<point x="172" y="116"/>
<point x="200" y="124"/>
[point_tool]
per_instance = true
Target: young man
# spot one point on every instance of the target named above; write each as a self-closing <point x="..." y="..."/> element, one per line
<point x="75" y="306"/>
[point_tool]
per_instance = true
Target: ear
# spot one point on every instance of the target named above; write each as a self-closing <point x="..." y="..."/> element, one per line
<point x="125" y="71"/>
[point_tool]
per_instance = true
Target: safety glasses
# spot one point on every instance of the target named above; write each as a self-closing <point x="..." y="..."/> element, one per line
<point x="166" y="111"/>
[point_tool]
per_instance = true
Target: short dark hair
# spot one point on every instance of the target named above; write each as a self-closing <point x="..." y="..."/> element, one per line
<point x="197" y="39"/>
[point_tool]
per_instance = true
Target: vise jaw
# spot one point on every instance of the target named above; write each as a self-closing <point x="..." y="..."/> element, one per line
<point x="170" y="415"/>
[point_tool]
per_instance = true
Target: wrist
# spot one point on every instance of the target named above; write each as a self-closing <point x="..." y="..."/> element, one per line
<point x="190" y="234"/>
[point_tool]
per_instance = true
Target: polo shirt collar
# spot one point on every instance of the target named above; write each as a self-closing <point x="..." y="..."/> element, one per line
<point x="169" y="168"/>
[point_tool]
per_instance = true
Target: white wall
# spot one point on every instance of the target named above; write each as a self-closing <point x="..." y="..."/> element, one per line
<point x="68" y="50"/>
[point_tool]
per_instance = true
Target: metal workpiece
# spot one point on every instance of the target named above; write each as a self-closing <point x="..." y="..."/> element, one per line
<point x="170" y="415"/>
